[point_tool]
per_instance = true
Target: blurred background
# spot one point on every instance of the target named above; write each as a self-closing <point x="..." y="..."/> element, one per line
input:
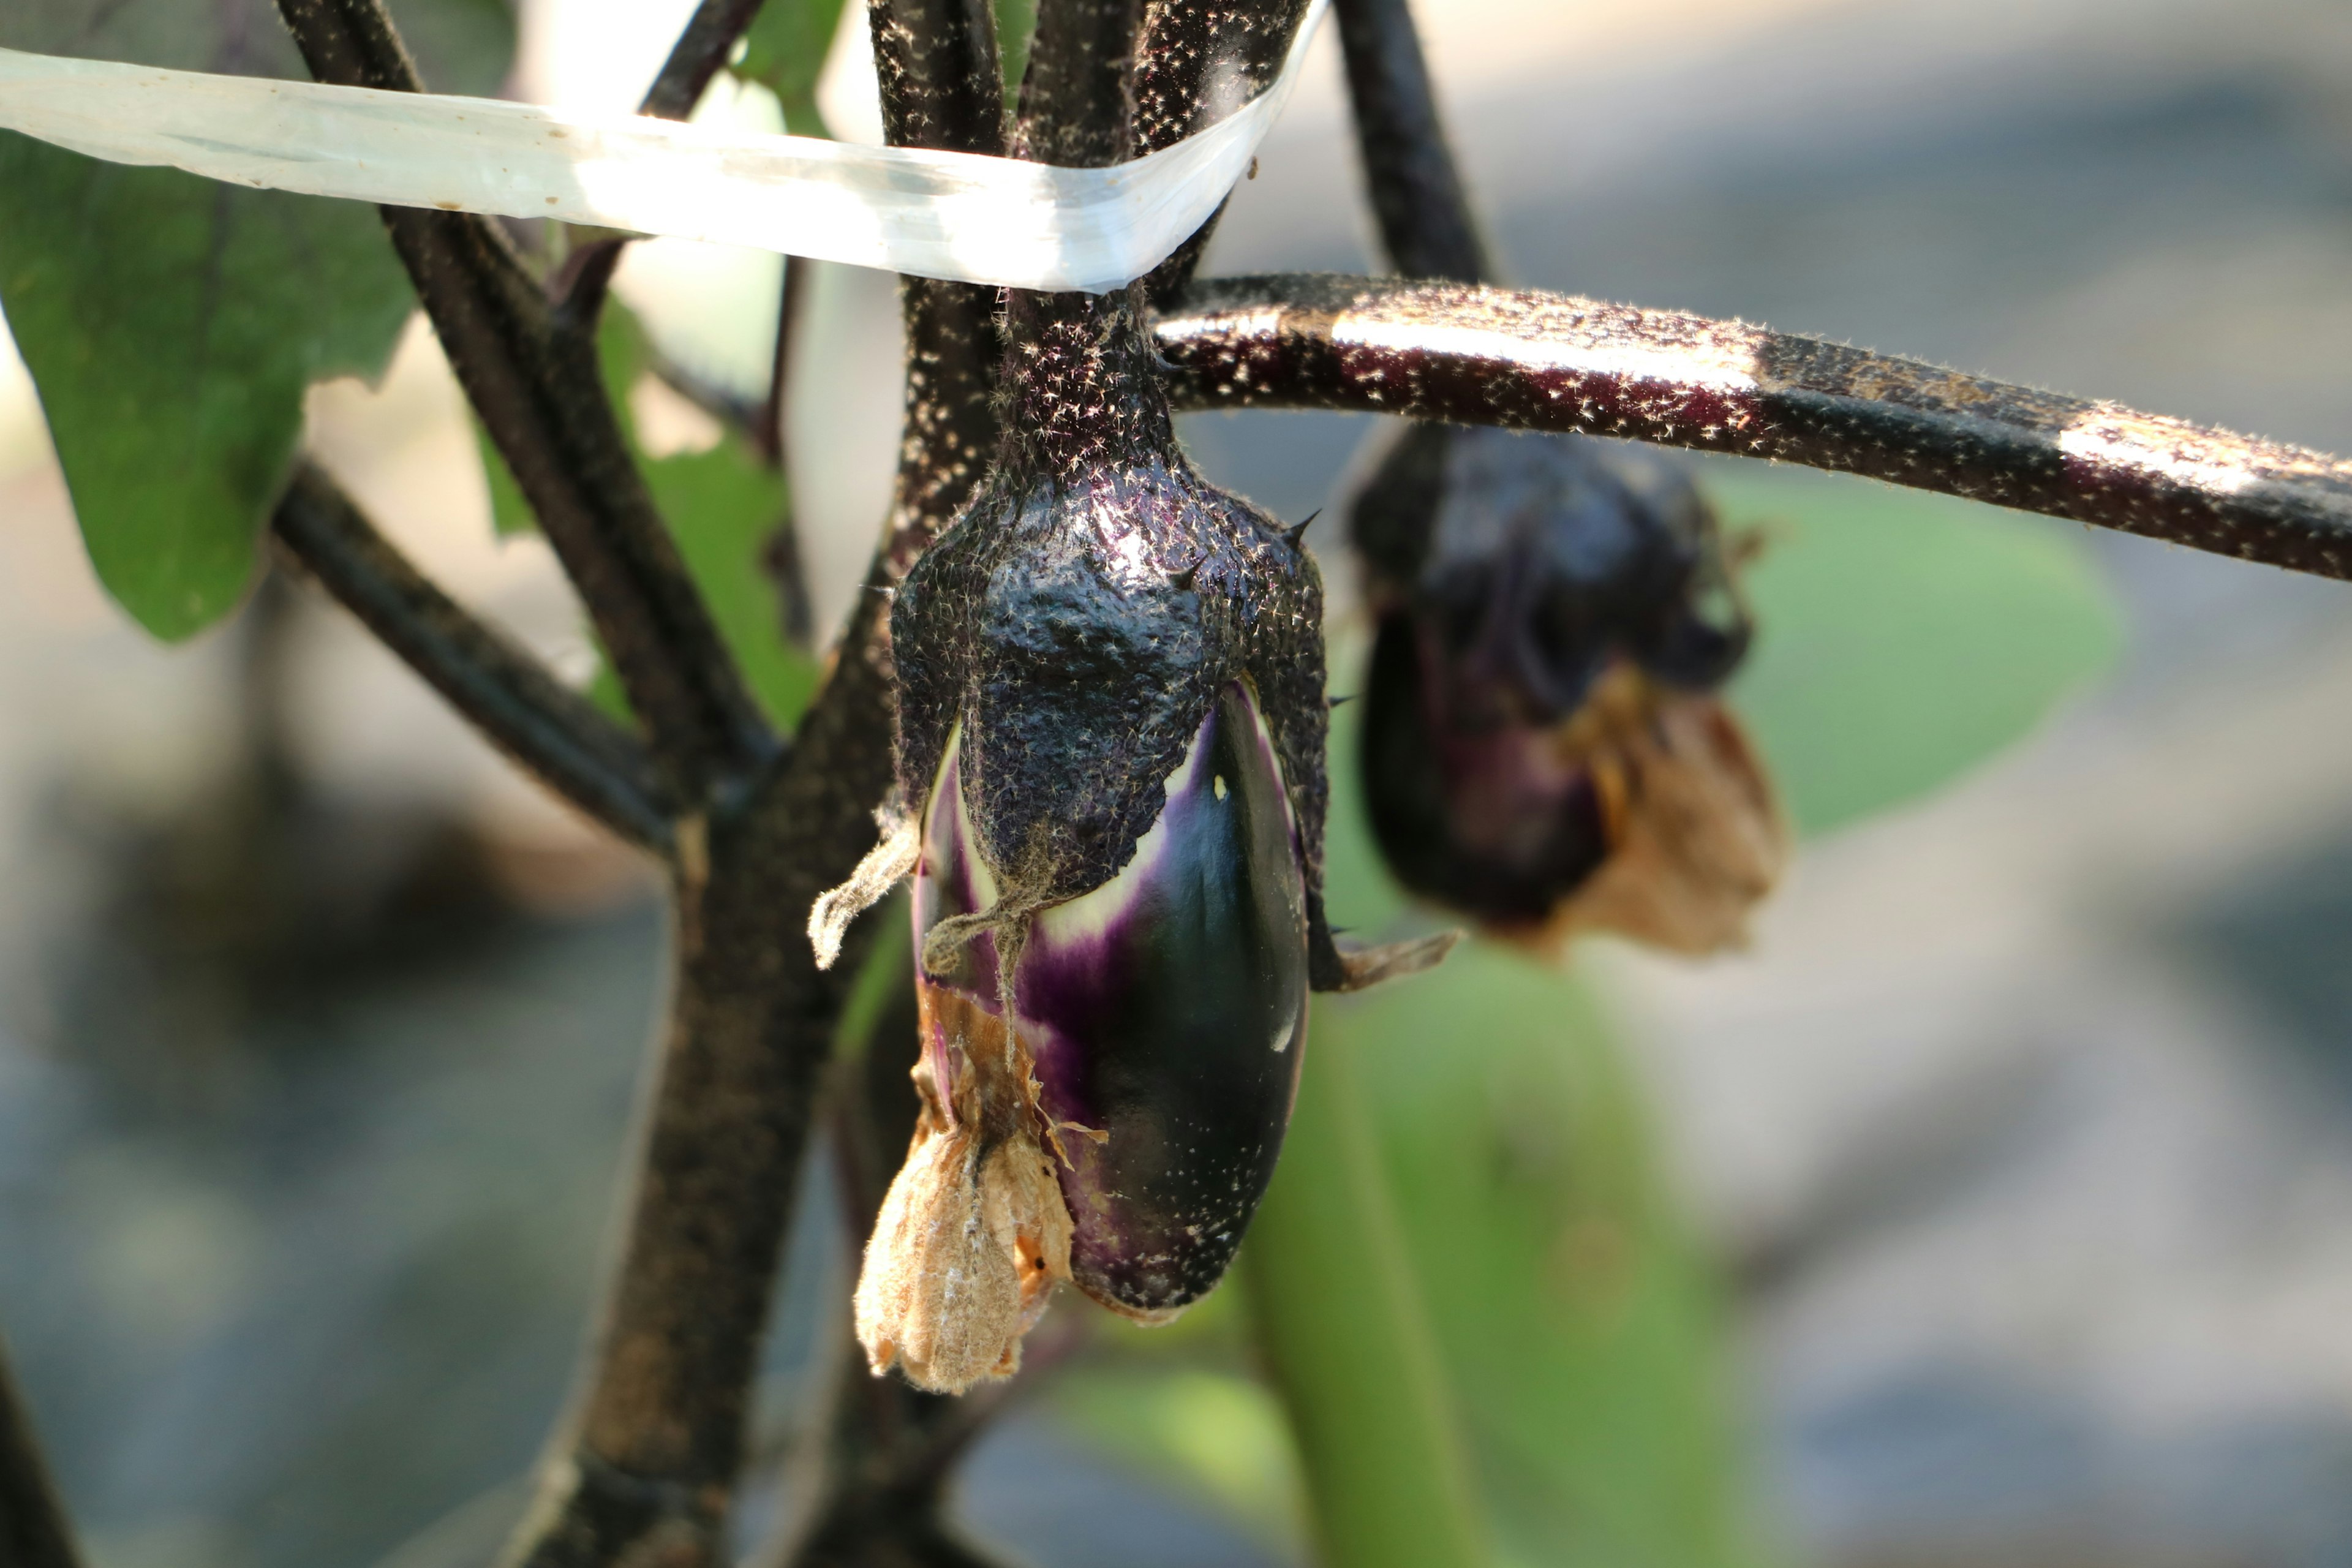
<point x="1996" y="1206"/>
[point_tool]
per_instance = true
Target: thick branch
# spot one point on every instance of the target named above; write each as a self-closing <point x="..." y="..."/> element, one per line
<point x="1077" y="108"/>
<point x="532" y="375"/>
<point x="1426" y="224"/>
<point x="548" y="729"/>
<point x="1548" y="362"/>
<point x="1187" y="44"/>
<point x="645" y="1473"/>
<point x="34" y="1532"/>
<point x="937" y="65"/>
<point x="941" y="88"/>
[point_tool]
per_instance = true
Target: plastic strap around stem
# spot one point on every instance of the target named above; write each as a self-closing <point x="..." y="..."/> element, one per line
<point x="956" y="216"/>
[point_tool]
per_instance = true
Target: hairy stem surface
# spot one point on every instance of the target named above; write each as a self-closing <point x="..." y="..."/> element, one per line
<point x="1418" y="198"/>
<point x="1533" y="361"/>
<point x="649" y="1463"/>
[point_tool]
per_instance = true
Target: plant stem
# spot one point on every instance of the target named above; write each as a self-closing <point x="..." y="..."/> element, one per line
<point x="1341" y="1323"/>
<point x="546" y="728"/>
<point x="732" y="1109"/>
<point x="937" y="66"/>
<point x="647" y="1467"/>
<point x="710" y="34"/>
<point x="1532" y="360"/>
<point x="1184" y="42"/>
<point x="1418" y="197"/>
<point x="889" y="1448"/>
<point x="530" y="372"/>
<point x="701" y="51"/>
<point x="34" y="1532"/>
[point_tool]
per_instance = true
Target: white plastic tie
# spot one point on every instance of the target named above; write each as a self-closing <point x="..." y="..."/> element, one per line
<point x="958" y="215"/>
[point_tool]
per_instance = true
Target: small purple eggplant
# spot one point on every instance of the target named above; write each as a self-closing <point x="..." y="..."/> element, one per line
<point x="1543" y="749"/>
<point x="1112" y="726"/>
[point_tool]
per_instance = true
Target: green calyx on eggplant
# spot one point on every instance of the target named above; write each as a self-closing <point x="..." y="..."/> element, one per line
<point x="1544" y="747"/>
<point x="1111" y="790"/>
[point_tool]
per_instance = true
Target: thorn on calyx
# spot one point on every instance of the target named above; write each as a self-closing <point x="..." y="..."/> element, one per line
<point x="1339" y="701"/>
<point x="1300" y="531"/>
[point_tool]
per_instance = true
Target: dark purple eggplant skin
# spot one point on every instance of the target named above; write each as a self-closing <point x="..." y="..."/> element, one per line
<point x="1413" y="768"/>
<point x="1167" y="1011"/>
<point x="1079" y="618"/>
<point x="1507" y="573"/>
<point x="1176" y="1026"/>
<point x="1531" y="561"/>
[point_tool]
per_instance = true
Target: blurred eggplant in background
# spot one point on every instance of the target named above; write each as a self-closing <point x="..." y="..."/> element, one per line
<point x="1544" y="748"/>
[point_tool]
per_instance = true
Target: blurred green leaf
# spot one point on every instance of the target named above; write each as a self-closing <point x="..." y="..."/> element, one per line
<point x="171" y="332"/>
<point x="1339" y="1293"/>
<point x="1575" y="1314"/>
<point x="1015" y="21"/>
<point x="1904" y="638"/>
<point x="722" y="506"/>
<point x="785" y="52"/>
<point x="1215" y="1433"/>
<point x="171" y="324"/>
<point x="509" y="513"/>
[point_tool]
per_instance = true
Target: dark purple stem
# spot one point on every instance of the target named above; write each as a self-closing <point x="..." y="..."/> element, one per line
<point x="710" y="34"/>
<point x="1531" y="361"/>
<point x="545" y="726"/>
<point x="1184" y="42"/>
<point x="1426" y="224"/>
<point x="531" y="374"/>
<point x="701" y="50"/>
<point x="941" y="88"/>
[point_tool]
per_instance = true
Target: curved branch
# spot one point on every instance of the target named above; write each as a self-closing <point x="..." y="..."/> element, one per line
<point x="34" y="1532"/>
<point x="532" y="373"/>
<point x="550" y="730"/>
<point x="643" y="1469"/>
<point x="1532" y="360"/>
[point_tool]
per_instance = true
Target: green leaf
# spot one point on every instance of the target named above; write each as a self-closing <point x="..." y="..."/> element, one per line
<point x="1904" y="638"/>
<point x="1577" y="1319"/>
<point x="1016" y="20"/>
<point x="1574" y="1314"/>
<point x="1209" y="1431"/>
<point x="722" y="506"/>
<point x="1339" y="1294"/>
<point x="172" y="324"/>
<point x="784" y="51"/>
